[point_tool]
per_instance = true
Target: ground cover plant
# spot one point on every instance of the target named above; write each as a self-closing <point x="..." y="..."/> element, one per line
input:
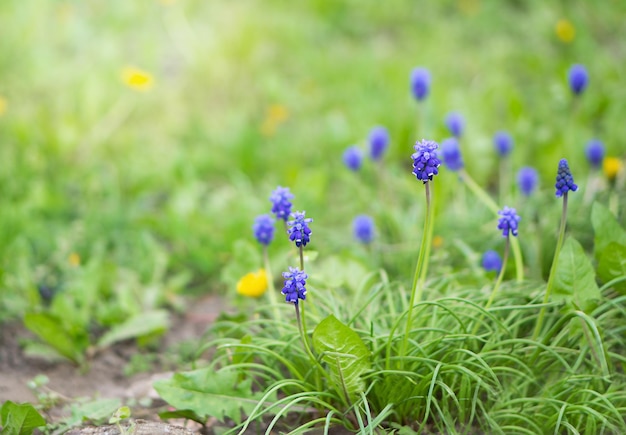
<point x="418" y="211"/>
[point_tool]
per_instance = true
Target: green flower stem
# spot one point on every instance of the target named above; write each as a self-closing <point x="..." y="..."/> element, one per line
<point x="416" y="288"/>
<point x="496" y="287"/>
<point x="491" y="204"/>
<point x="430" y="209"/>
<point x="270" y="285"/>
<point x="559" y="244"/>
<point x="303" y="336"/>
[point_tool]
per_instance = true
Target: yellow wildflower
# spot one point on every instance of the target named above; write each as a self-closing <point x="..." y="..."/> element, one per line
<point x="3" y="105"/>
<point x="565" y="30"/>
<point x="437" y="242"/>
<point x="74" y="259"/>
<point x="137" y="79"/>
<point x="275" y="115"/>
<point x="253" y="284"/>
<point x="611" y="166"/>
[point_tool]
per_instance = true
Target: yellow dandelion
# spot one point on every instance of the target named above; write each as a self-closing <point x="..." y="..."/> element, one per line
<point x="74" y="259"/>
<point x="3" y="105"/>
<point x="565" y="30"/>
<point x="253" y="284"/>
<point x="437" y="242"/>
<point x="275" y="115"/>
<point x="137" y="79"/>
<point x="612" y="166"/>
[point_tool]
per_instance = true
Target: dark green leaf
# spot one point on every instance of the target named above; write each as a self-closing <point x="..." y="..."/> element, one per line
<point x="209" y="393"/>
<point x="612" y="264"/>
<point x="20" y="419"/>
<point x="606" y="228"/>
<point x="575" y="278"/>
<point x="185" y="413"/>
<point x="50" y="329"/>
<point x="344" y="352"/>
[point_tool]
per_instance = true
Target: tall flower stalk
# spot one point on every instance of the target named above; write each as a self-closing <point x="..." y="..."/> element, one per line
<point x="425" y="166"/>
<point x="564" y="184"/>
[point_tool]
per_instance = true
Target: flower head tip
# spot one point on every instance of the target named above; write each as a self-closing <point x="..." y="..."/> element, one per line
<point x="363" y="228"/>
<point x="527" y="180"/>
<point x="425" y="161"/>
<point x="299" y="231"/>
<point x="564" y="179"/>
<point x="295" y="285"/>
<point x="594" y="152"/>
<point x="420" y="83"/>
<point x="450" y="152"/>
<point x="508" y="221"/>
<point x="378" y="141"/>
<point x="491" y="261"/>
<point x="578" y="78"/>
<point x="503" y="143"/>
<point x="263" y="229"/>
<point x="281" y="202"/>
<point x="353" y="158"/>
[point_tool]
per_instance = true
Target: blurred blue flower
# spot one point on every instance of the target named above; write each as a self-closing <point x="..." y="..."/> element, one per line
<point x="264" y="229"/>
<point x="455" y="123"/>
<point x="295" y="285"/>
<point x="378" y="140"/>
<point x="578" y="78"/>
<point x="363" y="228"/>
<point x="281" y="202"/>
<point x="425" y="161"/>
<point x="353" y="158"/>
<point x="508" y="221"/>
<point x="503" y="143"/>
<point x="595" y="152"/>
<point x="491" y="261"/>
<point x="420" y="83"/>
<point x="299" y="230"/>
<point x="450" y="152"/>
<point x="527" y="180"/>
<point x="564" y="179"/>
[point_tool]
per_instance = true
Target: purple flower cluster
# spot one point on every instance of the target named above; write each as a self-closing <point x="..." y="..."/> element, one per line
<point x="503" y="143"/>
<point x="281" y="202"/>
<point x="353" y="158"/>
<point x="420" y="83"/>
<point x="527" y="180"/>
<point x="595" y="152"/>
<point x="508" y="221"/>
<point x="425" y="161"/>
<point x="455" y="123"/>
<point x="299" y="230"/>
<point x="264" y="229"/>
<point x="378" y="141"/>
<point x="491" y="261"/>
<point x="363" y="228"/>
<point x="451" y="154"/>
<point x="564" y="179"/>
<point x="578" y="78"/>
<point x="295" y="285"/>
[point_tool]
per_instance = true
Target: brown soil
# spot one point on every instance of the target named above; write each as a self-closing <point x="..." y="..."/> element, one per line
<point x="104" y="377"/>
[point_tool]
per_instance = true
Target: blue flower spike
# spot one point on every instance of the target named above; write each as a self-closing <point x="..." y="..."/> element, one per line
<point x="595" y="153"/>
<point x="491" y="261"/>
<point x="378" y="142"/>
<point x="450" y="152"/>
<point x="281" y="202"/>
<point x="564" y="179"/>
<point x="508" y="221"/>
<point x="263" y="229"/>
<point x="578" y="78"/>
<point x="294" y="287"/>
<point x="425" y="161"/>
<point x="299" y="231"/>
<point x="527" y="180"/>
<point x="503" y="143"/>
<point x="455" y="123"/>
<point x="353" y="158"/>
<point x="420" y="83"/>
<point x="363" y="228"/>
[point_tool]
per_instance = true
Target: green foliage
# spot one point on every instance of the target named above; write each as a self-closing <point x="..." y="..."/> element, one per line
<point x="19" y="419"/>
<point x="575" y="280"/>
<point x="57" y="334"/>
<point x="143" y="324"/>
<point x="209" y="393"/>
<point x="345" y="354"/>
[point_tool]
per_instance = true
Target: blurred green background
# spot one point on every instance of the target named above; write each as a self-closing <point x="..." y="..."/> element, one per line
<point x="138" y="140"/>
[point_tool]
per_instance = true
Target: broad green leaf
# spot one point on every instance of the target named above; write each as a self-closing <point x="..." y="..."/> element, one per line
<point x="150" y="322"/>
<point x="50" y="329"/>
<point x="19" y="419"/>
<point x="575" y="278"/>
<point x="606" y="229"/>
<point x="612" y="264"/>
<point x="345" y="354"/>
<point x="96" y="411"/>
<point x="210" y="393"/>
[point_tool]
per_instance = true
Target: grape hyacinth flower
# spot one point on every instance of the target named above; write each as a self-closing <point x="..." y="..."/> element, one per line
<point x="294" y="288"/>
<point x="420" y="83"/>
<point x="263" y="229"/>
<point x="508" y="221"/>
<point x="564" y="179"/>
<point x="578" y="78"/>
<point x="425" y="161"/>
<point x="281" y="202"/>
<point x="451" y="154"/>
<point x="378" y="141"/>
<point x="503" y="143"/>
<point x="527" y="180"/>
<point x="299" y="231"/>
<point x="491" y="261"/>
<point x="455" y="123"/>
<point x="595" y="153"/>
<point x="363" y="228"/>
<point x="353" y="158"/>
